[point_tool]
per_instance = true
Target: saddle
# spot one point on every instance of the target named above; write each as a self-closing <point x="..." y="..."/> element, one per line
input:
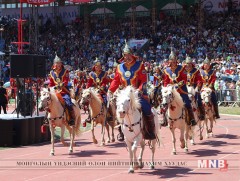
<point x="61" y="100"/>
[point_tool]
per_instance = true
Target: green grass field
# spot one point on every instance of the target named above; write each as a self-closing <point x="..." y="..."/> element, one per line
<point x="229" y="110"/>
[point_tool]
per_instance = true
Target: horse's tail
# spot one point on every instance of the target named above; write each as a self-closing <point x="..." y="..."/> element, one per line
<point x="77" y="129"/>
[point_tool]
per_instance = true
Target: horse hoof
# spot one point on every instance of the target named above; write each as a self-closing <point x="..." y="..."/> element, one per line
<point x="95" y="141"/>
<point x="108" y="141"/>
<point x="174" y="153"/>
<point x="201" y="137"/>
<point x="113" y="140"/>
<point x="130" y="171"/>
<point x="52" y="154"/>
<point x="152" y="167"/>
<point x="70" y="152"/>
<point x="193" y="144"/>
<point x="186" y="150"/>
<point x="102" y="144"/>
<point x="182" y="146"/>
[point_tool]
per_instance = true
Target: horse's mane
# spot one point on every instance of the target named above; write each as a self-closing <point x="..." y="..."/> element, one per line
<point x="178" y="97"/>
<point x="52" y="92"/>
<point x="93" y="93"/>
<point x="131" y="92"/>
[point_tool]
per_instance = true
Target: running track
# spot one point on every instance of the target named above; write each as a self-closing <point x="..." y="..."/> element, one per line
<point x="224" y="145"/>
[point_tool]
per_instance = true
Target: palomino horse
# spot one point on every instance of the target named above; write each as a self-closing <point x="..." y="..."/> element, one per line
<point x="208" y="107"/>
<point x="191" y="95"/>
<point x="175" y="115"/>
<point x="97" y="113"/>
<point x="129" y="115"/>
<point x="57" y="117"/>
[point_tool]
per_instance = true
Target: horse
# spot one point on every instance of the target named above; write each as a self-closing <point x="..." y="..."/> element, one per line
<point x="191" y="94"/>
<point x="98" y="114"/>
<point x="130" y="118"/>
<point x="209" y="112"/>
<point x="175" y="115"/>
<point x="58" y="118"/>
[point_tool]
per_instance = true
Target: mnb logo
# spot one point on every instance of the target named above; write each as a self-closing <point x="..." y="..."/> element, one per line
<point x="221" y="164"/>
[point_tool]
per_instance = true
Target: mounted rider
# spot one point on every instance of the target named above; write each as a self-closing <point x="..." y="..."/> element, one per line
<point x="99" y="80"/>
<point x="194" y="79"/>
<point x="176" y="75"/>
<point x="208" y="76"/>
<point x="59" y="78"/>
<point x="132" y="72"/>
<point x="157" y="82"/>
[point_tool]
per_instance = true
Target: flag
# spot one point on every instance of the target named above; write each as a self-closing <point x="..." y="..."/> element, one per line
<point x="37" y="2"/>
<point x="79" y="1"/>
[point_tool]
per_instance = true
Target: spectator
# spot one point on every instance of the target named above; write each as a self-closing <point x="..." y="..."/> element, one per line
<point x="3" y="98"/>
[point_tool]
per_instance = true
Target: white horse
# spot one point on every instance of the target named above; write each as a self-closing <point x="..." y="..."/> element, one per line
<point x="175" y="115"/>
<point x="209" y="112"/>
<point x="97" y="113"/>
<point x="57" y="117"/>
<point x="191" y="95"/>
<point x="130" y="118"/>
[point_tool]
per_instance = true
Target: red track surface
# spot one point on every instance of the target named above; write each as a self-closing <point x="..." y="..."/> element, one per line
<point x="224" y="145"/>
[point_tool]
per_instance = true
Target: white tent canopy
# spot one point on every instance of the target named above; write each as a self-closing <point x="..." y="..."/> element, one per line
<point x="171" y="6"/>
<point x="138" y="9"/>
<point x="102" y="11"/>
<point x="1" y="53"/>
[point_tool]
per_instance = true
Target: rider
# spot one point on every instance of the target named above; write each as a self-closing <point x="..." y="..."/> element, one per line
<point x="99" y="80"/>
<point x="194" y="79"/>
<point x="208" y="75"/>
<point x="59" y="78"/>
<point x="132" y="72"/>
<point x="157" y="81"/>
<point x="175" y="74"/>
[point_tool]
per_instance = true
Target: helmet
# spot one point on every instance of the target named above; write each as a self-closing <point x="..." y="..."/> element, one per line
<point x="57" y="59"/>
<point x="188" y="59"/>
<point x="206" y="61"/>
<point x="126" y="49"/>
<point x="97" y="61"/>
<point x="172" y="55"/>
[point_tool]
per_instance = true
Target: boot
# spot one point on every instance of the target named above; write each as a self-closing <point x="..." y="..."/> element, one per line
<point x="72" y="117"/>
<point x="148" y="127"/>
<point x="120" y="136"/>
<point x="202" y="113"/>
<point x="191" y="117"/>
<point x="215" y="106"/>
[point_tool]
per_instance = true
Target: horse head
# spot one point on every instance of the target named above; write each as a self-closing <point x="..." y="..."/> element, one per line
<point x="45" y="99"/>
<point x="127" y="101"/>
<point x="167" y="95"/>
<point x="206" y="95"/>
<point x="86" y="96"/>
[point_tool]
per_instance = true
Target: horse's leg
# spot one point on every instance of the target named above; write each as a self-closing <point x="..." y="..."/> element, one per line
<point x="72" y="135"/>
<point x="52" y="138"/>
<point x="182" y="136"/>
<point x="186" y="136"/>
<point x="112" y="127"/>
<point x="211" y="126"/>
<point x="103" y="133"/>
<point x="206" y="123"/>
<point x="130" y="152"/>
<point x="134" y="150"/>
<point x="173" y="141"/>
<point x="153" y="148"/>
<point x="107" y="128"/>
<point x="192" y="135"/>
<point x="201" y="127"/>
<point x="62" y="135"/>
<point x="142" y="144"/>
<point x="93" y="136"/>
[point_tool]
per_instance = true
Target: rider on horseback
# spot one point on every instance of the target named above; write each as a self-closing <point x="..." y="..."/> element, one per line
<point x="176" y="74"/>
<point x="59" y="78"/>
<point x="208" y="76"/>
<point x="98" y="79"/>
<point x="132" y="72"/>
<point x="194" y="79"/>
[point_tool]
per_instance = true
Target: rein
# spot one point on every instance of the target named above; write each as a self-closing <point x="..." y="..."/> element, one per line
<point x="99" y="114"/>
<point x="175" y="119"/>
